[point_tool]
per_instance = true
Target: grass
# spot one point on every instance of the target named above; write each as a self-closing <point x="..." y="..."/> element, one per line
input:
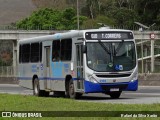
<point x="32" y="103"/>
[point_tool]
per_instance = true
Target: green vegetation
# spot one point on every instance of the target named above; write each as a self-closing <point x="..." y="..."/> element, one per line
<point x="61" y="14"/>
<point x="32" y="103"/>
<point x="47" y="18"/>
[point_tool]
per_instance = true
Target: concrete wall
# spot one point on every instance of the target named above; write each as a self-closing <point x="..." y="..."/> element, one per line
<point x="152" y="79"/>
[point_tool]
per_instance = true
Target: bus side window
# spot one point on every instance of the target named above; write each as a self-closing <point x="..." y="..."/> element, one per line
<point x="66" y="49"/>
<point x="26" y="53"/>
<point x="56" y="50"/>
<point x="35" y="56"/>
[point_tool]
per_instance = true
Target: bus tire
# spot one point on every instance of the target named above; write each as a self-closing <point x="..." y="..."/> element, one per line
<point x="115" y="95"/>
<point x="45" y="93"/>
<point x="36" y="88"/>
<point x="71" y="91"/>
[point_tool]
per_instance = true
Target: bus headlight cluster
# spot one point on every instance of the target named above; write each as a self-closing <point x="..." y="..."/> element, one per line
<point x="92" y="79"/>
<point x="135" y="77"/>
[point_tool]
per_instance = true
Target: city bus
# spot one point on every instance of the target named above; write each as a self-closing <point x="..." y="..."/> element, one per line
<point x="79" y="62"/>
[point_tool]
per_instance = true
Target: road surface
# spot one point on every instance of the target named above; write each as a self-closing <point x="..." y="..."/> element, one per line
<point x="145" y="95"/>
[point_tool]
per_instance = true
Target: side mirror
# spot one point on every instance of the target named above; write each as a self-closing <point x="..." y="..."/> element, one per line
<point x="84" y="48"/>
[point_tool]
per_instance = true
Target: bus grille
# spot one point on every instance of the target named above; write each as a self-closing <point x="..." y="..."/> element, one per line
<point x="113" y="75"/>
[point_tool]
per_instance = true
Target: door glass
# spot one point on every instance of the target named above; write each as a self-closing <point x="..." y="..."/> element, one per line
<point x="79" y="56"/>
<point x="47" y="57"/>
<point x="47" y="67"/>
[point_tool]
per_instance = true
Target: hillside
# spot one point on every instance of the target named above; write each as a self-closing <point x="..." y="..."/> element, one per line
<point x="13" y="10"/>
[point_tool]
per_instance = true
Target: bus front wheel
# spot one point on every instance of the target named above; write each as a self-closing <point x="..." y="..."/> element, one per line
<point x="71" y="91"/>
<point x="115" y="95"/>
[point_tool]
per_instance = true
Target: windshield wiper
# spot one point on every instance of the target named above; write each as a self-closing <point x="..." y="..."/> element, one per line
<point x="119" y="47"/>
<point x="107" y="50"/>
<point x="104" y="47"/>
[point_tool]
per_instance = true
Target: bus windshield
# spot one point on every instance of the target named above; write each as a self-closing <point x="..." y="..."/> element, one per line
<point x="111" y="56"/>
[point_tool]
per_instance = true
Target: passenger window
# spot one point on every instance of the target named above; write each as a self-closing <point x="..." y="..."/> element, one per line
<point x="35" y="52"/>
<point x="25" y="53"/>
<point x="66" y="49"/>
<point x="56" y="50"/>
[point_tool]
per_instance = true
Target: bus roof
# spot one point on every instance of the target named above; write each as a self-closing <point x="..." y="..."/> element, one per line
<point x="69" y="34"/>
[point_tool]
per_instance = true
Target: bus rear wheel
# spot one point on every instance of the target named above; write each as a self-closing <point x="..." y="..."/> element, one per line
<point x="37" y="91"/>
<point x="115" y="95"/>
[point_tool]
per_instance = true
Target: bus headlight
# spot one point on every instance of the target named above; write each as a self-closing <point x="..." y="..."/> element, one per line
<point x="92" y="79"/>
<point x="135" y="77"/>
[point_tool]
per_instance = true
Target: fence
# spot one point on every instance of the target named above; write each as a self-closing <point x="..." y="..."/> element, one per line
<point x="8" y="71"/>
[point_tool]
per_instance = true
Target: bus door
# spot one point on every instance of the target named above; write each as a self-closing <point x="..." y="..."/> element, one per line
<point x="79" y="67"/>
<point x="47" y="72"/>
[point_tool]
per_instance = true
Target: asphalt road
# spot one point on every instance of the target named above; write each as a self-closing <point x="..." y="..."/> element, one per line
<point x="145" y="95"/>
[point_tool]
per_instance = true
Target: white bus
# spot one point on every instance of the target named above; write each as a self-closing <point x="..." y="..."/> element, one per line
<point x="77" y="62"/>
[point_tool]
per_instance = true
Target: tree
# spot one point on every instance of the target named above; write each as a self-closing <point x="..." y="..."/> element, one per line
<point x="92" y="7"/>
<point x="51" y="19"/>
<point x="93" y="23"/>
<point x="148" y="10"/>
<point x="113" y="12"/>
<point x="120" y="3"/>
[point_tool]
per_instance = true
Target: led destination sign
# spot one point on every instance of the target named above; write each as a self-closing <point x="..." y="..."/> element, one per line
<point x="108" y="35"/>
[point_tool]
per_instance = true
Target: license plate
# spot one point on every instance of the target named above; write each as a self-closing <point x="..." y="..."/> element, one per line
<point x="114" y="89"/>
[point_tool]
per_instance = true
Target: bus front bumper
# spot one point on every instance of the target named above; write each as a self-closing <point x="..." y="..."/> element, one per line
<point x="103" y="88"/>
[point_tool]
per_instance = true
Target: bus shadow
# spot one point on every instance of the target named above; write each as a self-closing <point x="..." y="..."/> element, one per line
<point x="93" y="97"/>
<point x="102" y="98"/>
